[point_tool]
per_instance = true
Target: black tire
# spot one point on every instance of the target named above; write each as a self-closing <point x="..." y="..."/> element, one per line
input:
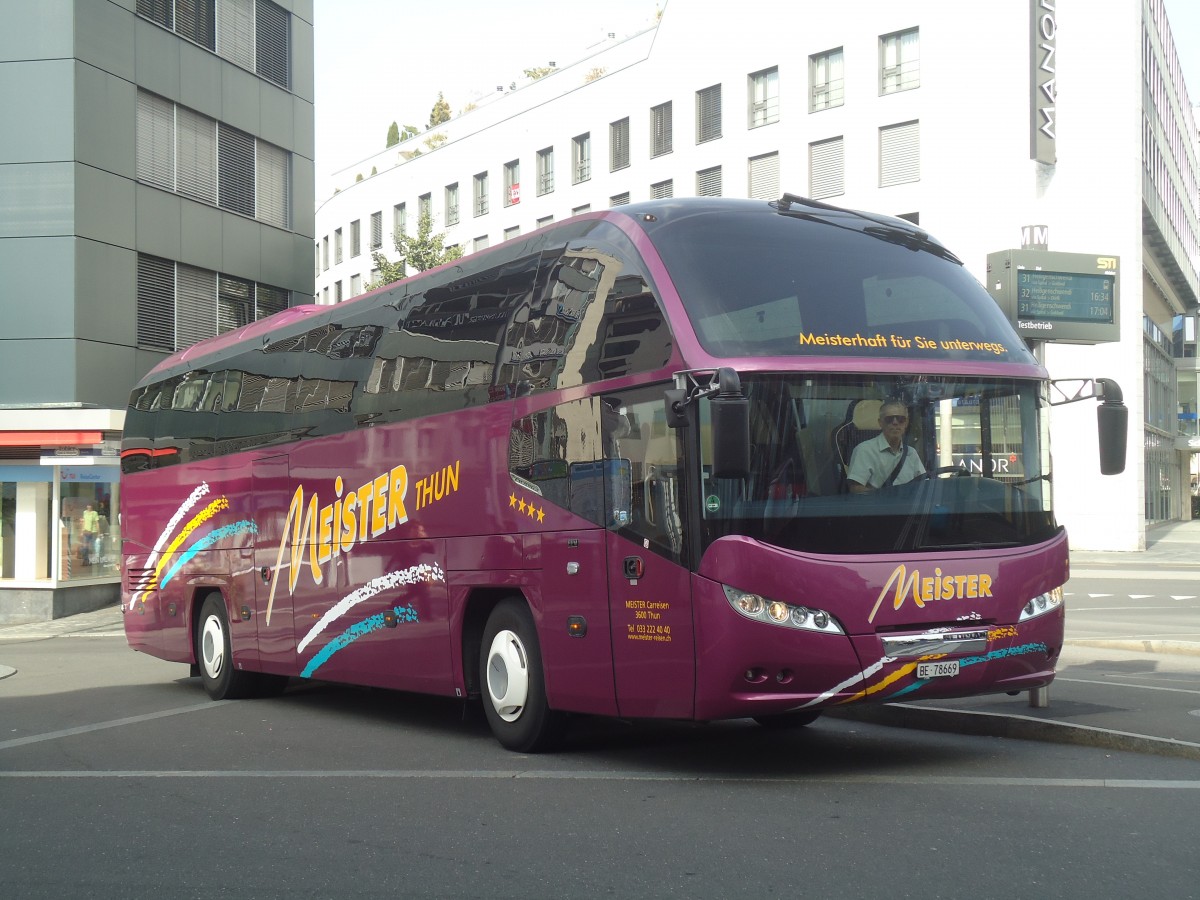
<point x="513" y="683"/>
<point x="783" y="721"/>
<point x="214" y="654"/>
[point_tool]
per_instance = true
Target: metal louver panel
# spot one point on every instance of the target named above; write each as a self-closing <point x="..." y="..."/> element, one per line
<point x="235" y="303"/>
<point x="197" y="305"/>
<point x="662" y="190"/>
<point x="764" y="177"/>
<point x="235" y="31"/>
<point x="155" y="302"/>
<point x="377" y="230"/>
<point x="196" y="155"/>
<point x="708" y="114"/>
<point x="155" y="141"/>
<point x="274" y="186"/>
<point x="899" y="154"/>
<point x="618" y="138"/>
<point x="826" y="169"/>
<point x="272" y="43"/>
<point x="269" y="300"/>
<point x="708" y="182"/>
<point x="159" y="11"/>
<point x="236" y="153"/>
<point x="196" y="21"/>
<point x="661" y="127"/>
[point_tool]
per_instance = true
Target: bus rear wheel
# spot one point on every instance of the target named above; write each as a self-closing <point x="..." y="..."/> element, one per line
<point x="797" y="719"/>
<point x="514" y="686"/>
<point x="214" y="653"/>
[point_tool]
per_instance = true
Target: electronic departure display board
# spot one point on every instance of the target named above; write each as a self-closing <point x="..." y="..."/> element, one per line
<point x="1048" y="296"/>
<point x="1065" y="296"/>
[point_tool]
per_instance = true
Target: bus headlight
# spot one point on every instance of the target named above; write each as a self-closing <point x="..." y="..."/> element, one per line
<point x="777" y="612"/>
<point x="1042" y="604"/>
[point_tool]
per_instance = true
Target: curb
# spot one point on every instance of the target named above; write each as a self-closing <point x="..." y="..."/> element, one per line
<point x="1184" y="648"/>
<point x="981" y="724"/>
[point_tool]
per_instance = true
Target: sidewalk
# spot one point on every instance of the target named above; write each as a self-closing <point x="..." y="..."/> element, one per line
<point x="1135" y="695"/>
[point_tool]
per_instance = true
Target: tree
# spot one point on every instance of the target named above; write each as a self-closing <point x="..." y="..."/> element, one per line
<point x="440" y="112"/>
<point x="393" y="137"/>
<point x="538" y="72"/>
<point x="409" y="131"/>
<point x="435" y="140"/>
<point x="424" y="250"/>
<point x="595" y="73"/>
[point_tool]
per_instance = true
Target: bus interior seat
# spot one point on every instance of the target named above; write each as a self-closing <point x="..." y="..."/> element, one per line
<point x="861" y="423"/>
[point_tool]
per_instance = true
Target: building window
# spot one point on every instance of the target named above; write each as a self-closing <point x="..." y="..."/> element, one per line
<point x="545" y="171"/>
<point x="376" y="230"/>
<point x="452" y="204"/>
<point x="660" y="129"/>
<point x="827" y="79"/>
<point x="708" y="114"/>
<point x="480" y="190"/>
<point x="325" y="253"/>
<point x="355" y="285"/>
<point x="899" y="61"/>
<point x="662" y="190"/>
<point x="899" y="154"/>
<point x="764" y="97"/>
<point x="512" y="182"/>
<point x="764" y="177"/>
<point x="708" y="182"/>
<point x="425" y="208"/>
<point x="826" y="169"/>
<point x="399" y="219"/>
<point x="618" y="144"/>
<point x="480" y="243"/>
<point x="254" y="34"/>
<point x="544" y="221"/>
<point x="337" y="246"/>
<point x="337" y="292"/>
<point x="355" y="238"/>
<point x="183" y="151"/>
<point x="510" y="233"/>
<point x="619" y="199"/>
<point x="581" y="158"/>
<point x="178" y="305"/>
<point x="580" y="210"/>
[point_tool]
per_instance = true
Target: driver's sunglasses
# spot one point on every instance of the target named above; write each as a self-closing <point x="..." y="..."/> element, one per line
<point x="895" y="420"/>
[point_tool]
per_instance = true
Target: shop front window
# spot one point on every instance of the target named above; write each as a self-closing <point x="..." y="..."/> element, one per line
<point x="89" y="538"/>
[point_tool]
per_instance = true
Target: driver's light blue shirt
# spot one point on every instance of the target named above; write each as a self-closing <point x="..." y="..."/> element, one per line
<point x="873" y="460"/>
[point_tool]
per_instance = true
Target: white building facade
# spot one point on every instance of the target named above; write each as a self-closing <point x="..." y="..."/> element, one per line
<point x="896" y="107"/>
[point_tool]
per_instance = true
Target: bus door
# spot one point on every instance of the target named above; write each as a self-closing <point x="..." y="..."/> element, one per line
<point x="271" y="496"/>
<point x="654" y="648"/>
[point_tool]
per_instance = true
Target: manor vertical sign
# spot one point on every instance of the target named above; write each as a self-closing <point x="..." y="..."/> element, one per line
<point x="1043" y="84"/>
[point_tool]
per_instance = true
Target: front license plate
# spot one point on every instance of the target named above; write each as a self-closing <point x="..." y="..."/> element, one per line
<point x="946" y="668"/>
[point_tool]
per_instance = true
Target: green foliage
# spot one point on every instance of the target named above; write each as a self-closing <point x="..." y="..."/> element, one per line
<point x="422" y="251"/>
<point x="410" y="131"/>
<point x="595" y="73"/>
<point x="435" y="140"/>
<point x="440" y="112"/>
<point x="538" y="72"/>
<point x="393" y="135"/>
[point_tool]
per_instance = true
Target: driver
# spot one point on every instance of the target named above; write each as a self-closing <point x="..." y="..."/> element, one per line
<point x="874" y="460"/>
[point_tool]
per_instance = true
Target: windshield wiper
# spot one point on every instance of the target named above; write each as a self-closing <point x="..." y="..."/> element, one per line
<point x="894" y="231"/>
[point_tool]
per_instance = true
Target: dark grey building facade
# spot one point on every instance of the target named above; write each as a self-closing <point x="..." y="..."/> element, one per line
<point x="156" y="188"/>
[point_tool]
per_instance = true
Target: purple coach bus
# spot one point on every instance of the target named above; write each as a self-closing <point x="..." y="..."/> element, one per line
<point x="610" y="468"/>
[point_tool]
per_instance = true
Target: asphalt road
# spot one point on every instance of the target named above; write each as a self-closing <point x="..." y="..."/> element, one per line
<point x="118" y="778"/>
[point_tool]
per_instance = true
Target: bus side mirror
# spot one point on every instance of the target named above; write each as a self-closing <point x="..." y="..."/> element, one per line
<point x="730" y="412"/>
<point x="1112" y="424"/>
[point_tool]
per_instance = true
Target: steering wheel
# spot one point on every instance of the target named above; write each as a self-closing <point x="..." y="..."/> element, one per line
<point x="930" y="474"/>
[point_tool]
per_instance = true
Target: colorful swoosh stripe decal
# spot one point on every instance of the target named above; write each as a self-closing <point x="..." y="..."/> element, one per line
<point x="213" y="537"/>
<point x="353" y="633"/>
<point x="147" y="583"/>
<point x="1002" y="653"/>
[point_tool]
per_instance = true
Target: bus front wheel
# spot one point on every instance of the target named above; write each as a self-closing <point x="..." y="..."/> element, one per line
<point x="214" y="653"/>
<point x="514" y="687"/>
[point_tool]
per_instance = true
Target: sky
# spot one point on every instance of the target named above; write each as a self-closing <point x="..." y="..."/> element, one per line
<point x="384" y="61"/>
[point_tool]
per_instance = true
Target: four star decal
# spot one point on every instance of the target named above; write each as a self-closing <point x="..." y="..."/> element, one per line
<point x="537" y="513"/>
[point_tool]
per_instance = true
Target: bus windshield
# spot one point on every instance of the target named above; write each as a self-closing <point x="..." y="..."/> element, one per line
<point x="832" y="285"/>
<point x="972" y="465"/>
